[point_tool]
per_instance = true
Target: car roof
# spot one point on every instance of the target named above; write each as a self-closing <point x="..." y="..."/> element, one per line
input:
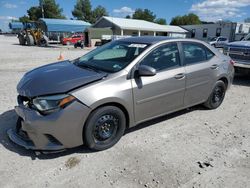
<point x="148" y="39"/>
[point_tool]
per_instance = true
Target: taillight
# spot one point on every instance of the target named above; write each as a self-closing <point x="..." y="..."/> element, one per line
<point x="232" y="62"/>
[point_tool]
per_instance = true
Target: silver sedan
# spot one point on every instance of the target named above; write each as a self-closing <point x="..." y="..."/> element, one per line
<point x="92" y="100"/>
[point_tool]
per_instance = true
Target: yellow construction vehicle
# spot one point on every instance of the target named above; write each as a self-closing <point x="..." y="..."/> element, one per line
<point x="32" y="35"/>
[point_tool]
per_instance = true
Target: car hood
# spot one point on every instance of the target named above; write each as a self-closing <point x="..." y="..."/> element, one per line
<point x="56" y="78"/>
<point x="240" y="44"/>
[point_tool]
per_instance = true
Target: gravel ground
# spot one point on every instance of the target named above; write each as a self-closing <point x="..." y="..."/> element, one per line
<point x="191" y="148"/>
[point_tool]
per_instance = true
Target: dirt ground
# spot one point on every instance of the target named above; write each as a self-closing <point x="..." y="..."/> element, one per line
<point x="192" y="148"/>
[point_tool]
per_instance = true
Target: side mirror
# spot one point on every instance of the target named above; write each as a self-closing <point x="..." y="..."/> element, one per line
<point x="145" y="70"/>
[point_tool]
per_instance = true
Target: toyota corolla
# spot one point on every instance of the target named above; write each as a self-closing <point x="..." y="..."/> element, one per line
<point x="92" y="100"/>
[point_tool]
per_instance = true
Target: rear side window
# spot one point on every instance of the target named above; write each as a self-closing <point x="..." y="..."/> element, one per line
<point x="222" y="39"/>
<point x="196" y="53"/>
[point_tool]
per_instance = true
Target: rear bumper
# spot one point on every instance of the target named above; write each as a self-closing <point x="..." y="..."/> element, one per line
<point x="57" y="131"/>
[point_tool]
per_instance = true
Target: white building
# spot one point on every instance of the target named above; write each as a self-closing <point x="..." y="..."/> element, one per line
<point x="133" y="27"/>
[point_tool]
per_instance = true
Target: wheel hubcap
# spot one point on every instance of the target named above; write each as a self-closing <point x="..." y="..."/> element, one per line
<point x="105" y="127"/>
<point x="218" y="94"/>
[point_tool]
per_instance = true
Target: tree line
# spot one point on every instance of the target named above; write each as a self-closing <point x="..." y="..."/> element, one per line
<point x="83" y="11"/>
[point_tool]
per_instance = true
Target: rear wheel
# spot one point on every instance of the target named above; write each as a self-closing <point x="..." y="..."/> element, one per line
<point x="104" y="128"/>
<point x="217" y="96"/>
<point x="30" y="40"/>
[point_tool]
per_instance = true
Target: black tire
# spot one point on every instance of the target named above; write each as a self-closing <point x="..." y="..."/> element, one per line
<point x="30" y="40"/>
<point x="75" y="45"/>
<point x="104" y="128"/>
<point x="217" y="96"/>
<point x="44" y="41"/>
<point x="22" y="40"/>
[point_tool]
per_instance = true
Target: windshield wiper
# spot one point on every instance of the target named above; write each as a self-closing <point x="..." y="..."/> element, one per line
<point x="88" y="67"/>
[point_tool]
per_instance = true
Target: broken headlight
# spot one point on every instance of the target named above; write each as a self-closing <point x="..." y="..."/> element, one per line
<point x="48" y="104"/>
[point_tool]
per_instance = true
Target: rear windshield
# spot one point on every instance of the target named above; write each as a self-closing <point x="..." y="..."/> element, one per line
<point x="112" y="57"/>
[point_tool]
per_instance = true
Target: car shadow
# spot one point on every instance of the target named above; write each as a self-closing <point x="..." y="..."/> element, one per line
<point x="165" y="118"/>
<point x="8" y="120"/>
<point x="49" y="46"/>
<point x="242" y="80"/>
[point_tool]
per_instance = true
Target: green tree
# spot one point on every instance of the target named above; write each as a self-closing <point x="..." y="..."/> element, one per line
<point x="51" y="10"/>
<point x="34" y="13"/>
<point x="83" y="10"/>
<point x="128" y="17"/>
<point x="144" y="14"/>
<point x="24" y="19"/>
<point x="190" y="19"/>
<point x="98" y="12"/>
<point x="161" y="21"/>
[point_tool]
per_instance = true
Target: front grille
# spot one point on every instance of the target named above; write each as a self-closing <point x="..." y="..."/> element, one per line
<point x="240" y="57"/>
<point x="238" y="53"/>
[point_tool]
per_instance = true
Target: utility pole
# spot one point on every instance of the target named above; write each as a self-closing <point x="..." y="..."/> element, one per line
<point x="41" y="5"/>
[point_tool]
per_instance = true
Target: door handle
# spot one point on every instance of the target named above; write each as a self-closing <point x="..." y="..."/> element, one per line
<point x="214" y="67"/>
<point x="179" y="76"/>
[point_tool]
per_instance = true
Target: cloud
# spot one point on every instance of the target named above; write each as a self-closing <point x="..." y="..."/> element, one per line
<point x="213" y="10"/>
<point x="8" y="18"/>
<point x="22" y="2"/>
<point x="124" y="11"/>
<point x="9" y="5"/>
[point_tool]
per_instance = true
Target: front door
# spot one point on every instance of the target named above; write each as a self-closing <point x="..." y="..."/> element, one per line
<point x="164" y="92"/>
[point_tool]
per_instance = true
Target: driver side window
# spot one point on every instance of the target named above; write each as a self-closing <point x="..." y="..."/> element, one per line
<point x="163" y="57"/>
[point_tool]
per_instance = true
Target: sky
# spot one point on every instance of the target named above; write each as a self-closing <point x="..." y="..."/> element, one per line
<point x="207" y="10"/>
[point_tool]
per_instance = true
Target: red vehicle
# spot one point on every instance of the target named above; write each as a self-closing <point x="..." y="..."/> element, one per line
<point x="73" y="39"/>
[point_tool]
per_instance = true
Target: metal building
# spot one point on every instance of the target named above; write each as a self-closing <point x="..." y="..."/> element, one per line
<point x="133" y="27"/>
<point x="55" y="28"/>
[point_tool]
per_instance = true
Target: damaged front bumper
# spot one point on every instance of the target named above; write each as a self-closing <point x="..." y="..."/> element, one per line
<point x="57" y="131"/>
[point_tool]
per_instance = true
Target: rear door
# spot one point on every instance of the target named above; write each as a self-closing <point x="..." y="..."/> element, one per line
<point x="201" y="69"/>
<point x="164" y="92"/>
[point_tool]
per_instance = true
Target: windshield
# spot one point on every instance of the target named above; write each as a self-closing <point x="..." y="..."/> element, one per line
<point x="247" y="38"/>
<point x="111" y="57"/>
<point x="213" y="39"/>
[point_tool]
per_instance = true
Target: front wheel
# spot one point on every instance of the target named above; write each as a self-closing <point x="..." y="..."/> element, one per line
<point x="217" y="96"/>
<point x="104" y="128"/>
<point x="44" y="41"/>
